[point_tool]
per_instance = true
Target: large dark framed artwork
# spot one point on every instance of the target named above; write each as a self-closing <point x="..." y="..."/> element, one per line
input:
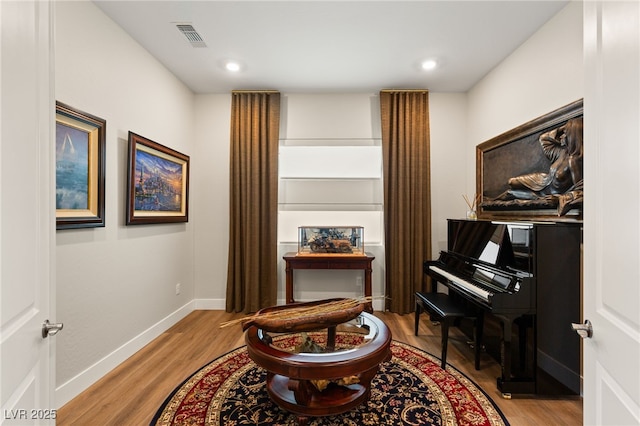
<point x="534" y="171"/>
<point x="157" y="183"/>
<point x="80" y="168"/>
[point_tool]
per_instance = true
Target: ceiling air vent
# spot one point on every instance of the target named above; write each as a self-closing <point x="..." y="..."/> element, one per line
<point x="192" y="35"/>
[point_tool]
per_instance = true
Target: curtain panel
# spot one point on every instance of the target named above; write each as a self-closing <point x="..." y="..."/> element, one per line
<point x="253" y="201"/>
<point x="407" y="194"/>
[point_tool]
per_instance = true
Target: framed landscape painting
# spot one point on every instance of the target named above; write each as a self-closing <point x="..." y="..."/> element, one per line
<point x="157" y="183"/>
<point x="80" y="168"/>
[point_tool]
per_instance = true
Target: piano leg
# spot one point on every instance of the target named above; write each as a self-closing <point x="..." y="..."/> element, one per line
<point x="505" y="349"/>
<point x="417" y="317"/>
<point x="507" y="384"/>
<point x="478" y="343"/>
<point x="524" y="323"/>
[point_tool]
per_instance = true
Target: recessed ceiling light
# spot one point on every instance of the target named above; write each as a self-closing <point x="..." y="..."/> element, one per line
<point x="232" y="66"/>
<point x="429" y="64"/>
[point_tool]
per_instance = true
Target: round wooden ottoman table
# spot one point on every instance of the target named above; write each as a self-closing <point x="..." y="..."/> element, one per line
<point x="326" y="378"/>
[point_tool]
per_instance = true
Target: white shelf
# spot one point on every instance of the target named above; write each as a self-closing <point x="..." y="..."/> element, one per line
<point x="330" y="162"/>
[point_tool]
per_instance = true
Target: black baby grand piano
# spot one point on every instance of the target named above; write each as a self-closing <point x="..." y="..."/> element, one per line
<point x="526" y="277"/>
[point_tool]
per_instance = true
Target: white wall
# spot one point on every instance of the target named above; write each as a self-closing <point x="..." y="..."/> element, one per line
<point x="542" y="75"/>
<point x="449" y="172"/>
<point x="116" y="285"/>
<point x="210" y="207"/>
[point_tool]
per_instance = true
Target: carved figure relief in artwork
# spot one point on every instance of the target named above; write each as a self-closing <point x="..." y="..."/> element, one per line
<point x="562" y="186"/>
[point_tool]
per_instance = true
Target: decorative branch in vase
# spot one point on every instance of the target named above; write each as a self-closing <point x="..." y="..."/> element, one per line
<point x="471" y="213"/>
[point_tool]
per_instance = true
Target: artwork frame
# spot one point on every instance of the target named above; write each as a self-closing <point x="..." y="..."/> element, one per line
<point x="80" y="168"/>
<point x="157" y="183"/>
<point x="517" y="153"/>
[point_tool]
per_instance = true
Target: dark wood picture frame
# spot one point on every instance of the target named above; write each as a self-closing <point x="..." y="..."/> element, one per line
<point x="518" y="152"/>
<point x="157" y="183"/>
<point x="80" y="168"/>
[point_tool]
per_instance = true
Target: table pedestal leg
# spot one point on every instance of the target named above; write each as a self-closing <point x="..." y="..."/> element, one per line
<point x="331" y="338"/>
<point x="301" y="391"/>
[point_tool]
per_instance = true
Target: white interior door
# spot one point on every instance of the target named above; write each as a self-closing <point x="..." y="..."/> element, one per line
<point x="612" y="212"/>
<point x="27" y="214"/>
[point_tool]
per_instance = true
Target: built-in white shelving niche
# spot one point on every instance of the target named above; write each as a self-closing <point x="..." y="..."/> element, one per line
<point x="330" y="182"/>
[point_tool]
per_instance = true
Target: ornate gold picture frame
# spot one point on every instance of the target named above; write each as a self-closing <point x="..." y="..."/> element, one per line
<point x="534" y="171"/>
<point x="80" y="168"/>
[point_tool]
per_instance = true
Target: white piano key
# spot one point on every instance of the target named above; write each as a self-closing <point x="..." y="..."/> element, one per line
<point x="485" y="295"/>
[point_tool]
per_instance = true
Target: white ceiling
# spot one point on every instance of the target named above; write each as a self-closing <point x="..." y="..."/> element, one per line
<point x="332" y="46"/>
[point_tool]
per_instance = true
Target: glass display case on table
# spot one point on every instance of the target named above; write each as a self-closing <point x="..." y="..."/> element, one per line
<point x="331" y="239"/>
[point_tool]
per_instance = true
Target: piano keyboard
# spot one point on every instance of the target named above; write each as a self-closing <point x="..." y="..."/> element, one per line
<point x="462" y="283"/>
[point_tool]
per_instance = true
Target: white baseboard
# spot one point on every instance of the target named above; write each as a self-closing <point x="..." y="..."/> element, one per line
<point x="210" y="304"/>
<point x="73" y="387"/>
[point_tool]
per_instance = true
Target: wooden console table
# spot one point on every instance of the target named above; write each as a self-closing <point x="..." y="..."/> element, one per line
<point x="328" y="261"/>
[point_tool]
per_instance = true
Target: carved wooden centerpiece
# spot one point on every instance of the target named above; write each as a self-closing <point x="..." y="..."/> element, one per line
<point x="320" y="357"/>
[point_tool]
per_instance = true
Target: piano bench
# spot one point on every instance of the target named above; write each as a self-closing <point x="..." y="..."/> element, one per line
<point x="447" y="311"/>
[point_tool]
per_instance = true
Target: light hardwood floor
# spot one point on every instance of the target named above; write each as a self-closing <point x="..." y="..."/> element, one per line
<point x="131" y="393"/>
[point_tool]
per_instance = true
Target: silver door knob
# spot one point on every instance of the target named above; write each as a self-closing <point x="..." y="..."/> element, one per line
<point x="584" y="330"/>
<point x="49" y="329"/>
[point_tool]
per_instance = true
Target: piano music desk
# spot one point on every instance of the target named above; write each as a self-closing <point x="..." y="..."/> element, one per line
<point x="447" y="311"/>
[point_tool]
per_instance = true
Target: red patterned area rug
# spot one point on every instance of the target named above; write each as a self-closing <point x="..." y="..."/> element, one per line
<point x="410" y="389"/>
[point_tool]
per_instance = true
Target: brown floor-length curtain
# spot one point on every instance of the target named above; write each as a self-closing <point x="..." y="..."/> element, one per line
<point x="253" y="211"/>
<point x="407" y="194"/>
